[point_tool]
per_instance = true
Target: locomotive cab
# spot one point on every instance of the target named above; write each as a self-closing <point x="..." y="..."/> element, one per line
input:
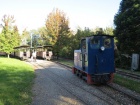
<point x="95" y="59"/>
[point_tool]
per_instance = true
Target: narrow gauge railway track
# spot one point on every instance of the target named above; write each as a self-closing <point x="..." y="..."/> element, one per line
<point x="127" y="74"/>
<point x="118" y="96"/>
<point x="116" y="87"/>
<point x="36" y="66"/>
<point x="106" y="99"/>
<point x="131" y="75"/>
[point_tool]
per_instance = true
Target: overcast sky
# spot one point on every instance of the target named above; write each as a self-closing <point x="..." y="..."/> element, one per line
<point x="31" y="14"/>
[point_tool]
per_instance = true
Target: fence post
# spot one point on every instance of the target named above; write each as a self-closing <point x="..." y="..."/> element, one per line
<point x="135" y="62"/>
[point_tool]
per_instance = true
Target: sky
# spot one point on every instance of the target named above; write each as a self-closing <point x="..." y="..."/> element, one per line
<point x="32" y="14"/>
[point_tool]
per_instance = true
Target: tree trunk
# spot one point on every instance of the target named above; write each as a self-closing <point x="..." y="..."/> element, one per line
<point x="57" y="56"/>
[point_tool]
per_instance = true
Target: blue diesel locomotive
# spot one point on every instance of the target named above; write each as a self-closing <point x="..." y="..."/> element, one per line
<point x="94" y="61"/>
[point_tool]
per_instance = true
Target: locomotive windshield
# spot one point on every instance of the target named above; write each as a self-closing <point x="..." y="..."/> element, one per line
<point x="107" y="42"/>
<point x="100" y="41"/>
<point x="95" y="42"/>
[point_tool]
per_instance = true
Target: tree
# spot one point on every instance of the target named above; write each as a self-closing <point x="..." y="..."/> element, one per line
<point x="74" y="41"/>
<point x="44" y="36"/>
<point x="9" y="37"/>
<point x="127" y="22"/>
<point x="58" y="29"/>
<point x="109" y="31"/>
<point x="16" y="36"/>
<point x="25" y="37"/>
<point x="98" y="31"/>
<point x="8" y="20"/>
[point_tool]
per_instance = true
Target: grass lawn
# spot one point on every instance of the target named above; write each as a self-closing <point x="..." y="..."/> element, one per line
<point x="67" y="62"/>
<point x="126" y="82"/>
<point x="16" y="80"/>
<point x="120" y="80"/>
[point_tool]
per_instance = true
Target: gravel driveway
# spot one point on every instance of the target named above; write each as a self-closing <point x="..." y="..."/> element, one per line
<point x="55" y="85"/>
<point x="48" y="92"/>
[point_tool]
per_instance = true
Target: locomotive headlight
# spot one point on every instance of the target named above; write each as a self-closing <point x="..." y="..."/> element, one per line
<point x="102" y="48"/>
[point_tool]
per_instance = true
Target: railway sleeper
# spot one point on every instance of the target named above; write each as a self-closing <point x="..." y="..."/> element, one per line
<point x="101" y="79"/>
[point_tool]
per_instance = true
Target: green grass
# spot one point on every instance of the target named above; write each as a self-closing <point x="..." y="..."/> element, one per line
<point x="137" y="72"/>
<point x="67" y="62"/>
<point x="120" y="80"/>
<point x="126" y="82"/>
<point x="16" y="79"/>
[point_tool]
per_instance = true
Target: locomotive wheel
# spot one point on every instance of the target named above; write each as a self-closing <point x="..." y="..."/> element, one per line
<point x="73" y="70"/>
<point x="89" y="79"/>
<point x="111" y="78"/>
<point x="77" y="72"/>
<point x="80" y="74"/>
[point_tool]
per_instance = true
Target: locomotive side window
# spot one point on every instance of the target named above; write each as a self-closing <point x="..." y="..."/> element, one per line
<point x="107" y="42"/>
<point x="95" y="42"/>
<point x="84" y="45"/>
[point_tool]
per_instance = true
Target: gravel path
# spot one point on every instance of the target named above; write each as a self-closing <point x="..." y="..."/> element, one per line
<point x="47" y="92"/>
<point x="55" y="85"/>
<point x="51" y="89"/>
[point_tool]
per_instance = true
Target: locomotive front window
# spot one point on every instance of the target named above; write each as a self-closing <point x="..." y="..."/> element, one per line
<point x="95" y="42"/>
<point x="107" y="42"/>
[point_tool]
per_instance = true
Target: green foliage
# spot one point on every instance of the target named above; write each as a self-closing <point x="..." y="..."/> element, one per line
<point x="108" y="31"/>
<point x="44" y="36"/>
<point x="16" y="36"/>
<point x="16" y="79"/>
<point x="33" y="38"/>
<point x="98" y="31"/>
<point x="9" y="38"/>
<point x="25" y="38"/>
<point x="58" y="30"/>
<point x="58" y="34"/>
<point x="123" y="62"/>
<point x="72" y="42"/>
<point x="127" y="22"/>
<point x="79" y="35"/>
